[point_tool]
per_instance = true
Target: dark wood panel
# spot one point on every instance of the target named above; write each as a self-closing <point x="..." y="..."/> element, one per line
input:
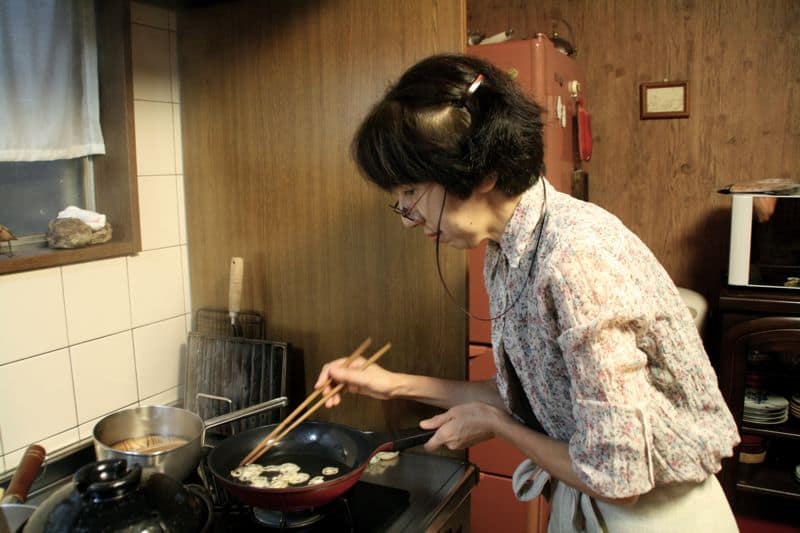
<point x="272" y="93"/>
<point x="742" y="59"/>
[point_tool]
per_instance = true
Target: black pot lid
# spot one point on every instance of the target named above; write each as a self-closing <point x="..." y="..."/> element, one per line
<point x="109" y="496"/>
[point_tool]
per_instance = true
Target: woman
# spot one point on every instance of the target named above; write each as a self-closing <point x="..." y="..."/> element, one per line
<point x="602" y="380"/>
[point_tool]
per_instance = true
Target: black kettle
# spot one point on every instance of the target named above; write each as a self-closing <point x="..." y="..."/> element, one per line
<point x="110" y="497"/>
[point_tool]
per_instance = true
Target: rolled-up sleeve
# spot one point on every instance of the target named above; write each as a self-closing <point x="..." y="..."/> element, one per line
<point x="611" y="448"/>
<point x="601" y="342"/>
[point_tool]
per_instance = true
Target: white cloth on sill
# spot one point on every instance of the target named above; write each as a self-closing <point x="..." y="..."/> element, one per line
<point x="94" y="220"/>
<point x="49" y="105"/>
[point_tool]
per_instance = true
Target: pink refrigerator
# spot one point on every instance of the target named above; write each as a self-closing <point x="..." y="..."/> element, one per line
<point x="555" y="82"/>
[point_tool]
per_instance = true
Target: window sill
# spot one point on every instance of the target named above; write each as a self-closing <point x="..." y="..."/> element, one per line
<point x="34" y="258"/>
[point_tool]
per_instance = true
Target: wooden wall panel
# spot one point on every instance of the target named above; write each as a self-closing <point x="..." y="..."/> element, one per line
<point x="742" y="59"/>
<point x="272" y="93"/>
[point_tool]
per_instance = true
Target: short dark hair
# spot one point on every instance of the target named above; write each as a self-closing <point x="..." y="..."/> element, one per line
<point x="428" y="128"/>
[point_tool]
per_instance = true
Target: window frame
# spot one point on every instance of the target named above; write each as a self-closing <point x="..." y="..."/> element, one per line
<point x="116" y="189"/>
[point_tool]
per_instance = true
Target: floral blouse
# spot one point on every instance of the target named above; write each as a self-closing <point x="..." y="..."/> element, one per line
<point x="605" y="349"/>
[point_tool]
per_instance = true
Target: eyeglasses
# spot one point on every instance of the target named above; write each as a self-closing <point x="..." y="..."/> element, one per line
<point x="407" y="212"/>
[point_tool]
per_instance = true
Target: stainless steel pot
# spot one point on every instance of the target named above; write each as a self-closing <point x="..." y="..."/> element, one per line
<point x="169" y="421"/>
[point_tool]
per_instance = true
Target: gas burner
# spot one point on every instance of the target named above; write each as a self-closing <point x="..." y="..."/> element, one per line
<point x="279" y="519"/>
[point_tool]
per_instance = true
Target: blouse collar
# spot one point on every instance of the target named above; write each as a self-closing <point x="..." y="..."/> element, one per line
<point x="516" y="240"/>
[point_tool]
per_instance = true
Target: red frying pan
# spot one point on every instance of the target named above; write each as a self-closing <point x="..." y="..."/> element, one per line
<point x="312" y="446"/>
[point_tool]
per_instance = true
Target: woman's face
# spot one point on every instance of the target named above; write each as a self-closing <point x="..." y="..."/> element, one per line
<point x="464" y="222"/>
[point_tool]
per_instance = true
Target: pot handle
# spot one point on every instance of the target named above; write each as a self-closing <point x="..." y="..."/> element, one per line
<point x="24" y="476"/>
<point x="242" y="413"/>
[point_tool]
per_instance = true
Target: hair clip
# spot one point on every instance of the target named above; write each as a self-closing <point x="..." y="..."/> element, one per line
<point x="475" y="84"/>
<point x="470" y="90"/>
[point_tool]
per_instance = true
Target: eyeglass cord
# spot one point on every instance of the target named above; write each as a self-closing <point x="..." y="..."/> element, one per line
<point x="539" y="223"/>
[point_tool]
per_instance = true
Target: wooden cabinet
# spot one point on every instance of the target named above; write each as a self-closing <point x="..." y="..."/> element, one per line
<point x="760" y="351"/>
<point x="494" y="510"/>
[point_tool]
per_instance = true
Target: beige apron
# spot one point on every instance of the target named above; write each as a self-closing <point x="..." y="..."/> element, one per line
<point x="675" y="508"/>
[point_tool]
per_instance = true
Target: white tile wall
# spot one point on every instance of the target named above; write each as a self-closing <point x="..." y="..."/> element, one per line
<point x="160" y="355"/>
<point x="150" y="16"/>
<point x="164" y="398"/>
<point x="81" y="341"/>
<point x="50" y="443"/>
<point x="96" y="299"/>
<point x="155" y="282"/>
<point x="104" y="375"/>
<point x="159" y="211"/>
<point x="151" y="63"/>
<point x="32" y="317"/>
<point x="38" y="399"/>
<point x="155" y="143"/>
<point x="85" y="430"/>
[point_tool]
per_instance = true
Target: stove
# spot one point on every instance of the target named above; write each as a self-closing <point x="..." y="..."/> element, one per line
<point x="415" y="492"/>
<point x="367" y="507"/>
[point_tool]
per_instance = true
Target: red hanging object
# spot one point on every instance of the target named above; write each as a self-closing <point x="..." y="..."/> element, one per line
<point x="584" y="131"/>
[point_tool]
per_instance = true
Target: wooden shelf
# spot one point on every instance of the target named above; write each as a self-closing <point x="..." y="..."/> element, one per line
<point x="768" y="479"/>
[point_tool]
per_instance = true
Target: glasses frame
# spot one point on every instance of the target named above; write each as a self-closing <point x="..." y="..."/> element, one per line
<point x="405" y="212"/>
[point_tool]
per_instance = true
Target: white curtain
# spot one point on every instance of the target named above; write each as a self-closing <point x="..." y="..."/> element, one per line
<point x="48" y="80"/>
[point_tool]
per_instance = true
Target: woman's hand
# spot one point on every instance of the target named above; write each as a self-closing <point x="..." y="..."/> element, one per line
<point x="463" y="425"/>
<point x="373" y="381"/>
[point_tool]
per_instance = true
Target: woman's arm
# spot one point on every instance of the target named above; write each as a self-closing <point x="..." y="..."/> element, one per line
<point x="466" y="424"/>
<point x="446" y="393"/>
<point x="377" y="382"/>
<point x="549" y="454"/>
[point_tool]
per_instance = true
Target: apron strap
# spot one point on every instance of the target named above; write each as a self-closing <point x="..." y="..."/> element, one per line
<point x="571" y="509"/>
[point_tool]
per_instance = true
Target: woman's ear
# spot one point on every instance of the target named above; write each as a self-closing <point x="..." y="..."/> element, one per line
<point x="487" y="184"/>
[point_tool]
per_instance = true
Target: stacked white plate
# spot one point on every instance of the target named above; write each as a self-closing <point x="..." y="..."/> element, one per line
<point x="794" y="406"/>
<point x="763" y="408"/>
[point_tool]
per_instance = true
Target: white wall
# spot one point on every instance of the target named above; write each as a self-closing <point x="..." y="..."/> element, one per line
<point x="81" y="341"/>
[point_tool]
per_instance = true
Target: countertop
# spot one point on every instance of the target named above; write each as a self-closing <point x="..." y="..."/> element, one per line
<point x="437" y="486"/>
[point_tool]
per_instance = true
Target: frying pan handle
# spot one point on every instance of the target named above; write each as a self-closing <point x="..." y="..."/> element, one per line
<point x="242" y="413"/>
<point x="408" y="438"/>
<point x="26" y="473"/>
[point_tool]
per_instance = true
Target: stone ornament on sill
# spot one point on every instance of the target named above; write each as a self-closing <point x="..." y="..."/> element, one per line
<point x="7" y="236"/>
<point x="74" y="233"/>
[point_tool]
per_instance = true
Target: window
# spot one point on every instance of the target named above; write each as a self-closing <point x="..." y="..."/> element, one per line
<point x="114" y="184"/>
<point x="32" y="193"/>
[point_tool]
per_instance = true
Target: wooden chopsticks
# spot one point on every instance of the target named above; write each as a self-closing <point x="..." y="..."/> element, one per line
<point x="279" y="432"/>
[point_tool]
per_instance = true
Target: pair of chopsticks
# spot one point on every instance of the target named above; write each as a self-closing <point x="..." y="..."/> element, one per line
<point x="279" y="432"/>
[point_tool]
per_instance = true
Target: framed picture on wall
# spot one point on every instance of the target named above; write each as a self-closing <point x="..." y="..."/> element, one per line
<point x="664" y="99"/>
